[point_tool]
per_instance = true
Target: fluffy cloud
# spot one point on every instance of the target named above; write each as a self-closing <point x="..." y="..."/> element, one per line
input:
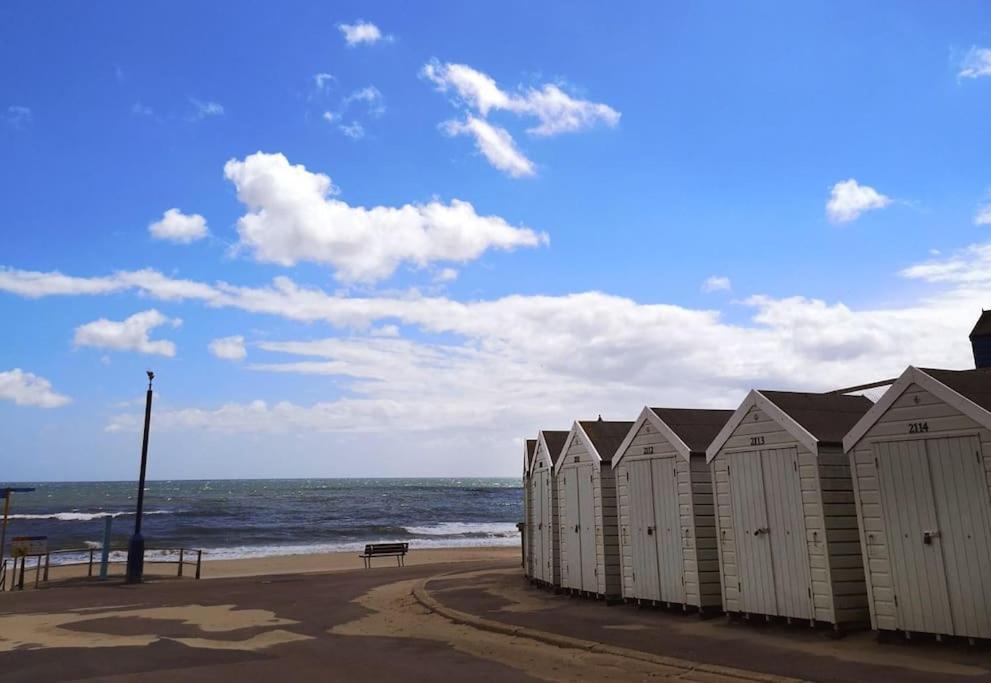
<point x="556" y="111"/>
<point x="130" y="334"/>
<point x="292" y="217"/>
<point x="353" y="130"/>
<point x="362" y="33"/>
<point x="175" y="226"/>
<point x="27" y="389"/>
<point x="716" y="283"/>
<point x="370" y="96"/>
<point x="495" y="143"/>
<point x="976" y="63"/>
<point x="848" y="199"/>
<point x="229" y="348"/>
<point x="323" y="79"/>
<point x="983" y="215"/>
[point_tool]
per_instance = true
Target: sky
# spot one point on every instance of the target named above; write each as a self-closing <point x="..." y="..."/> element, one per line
<point x="352" y="239"/>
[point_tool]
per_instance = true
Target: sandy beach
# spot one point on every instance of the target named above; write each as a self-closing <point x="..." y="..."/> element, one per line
<point x="285" y="564"/>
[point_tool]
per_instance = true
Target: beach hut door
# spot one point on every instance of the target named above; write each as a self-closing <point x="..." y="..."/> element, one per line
<point x="571" y="530"/>
<point x="537" y="500"/>
<point x="586" y="514"/>
<point x="644" y="542"/>
<point x="667" y="524"/>
<point x="547" y="530"/>
<point x="786" y="525"/>
<point x="936" y="511"/>
<point x="753" y="545"/>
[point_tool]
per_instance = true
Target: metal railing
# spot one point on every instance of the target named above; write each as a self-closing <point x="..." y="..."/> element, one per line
<point x="42" y="563"/>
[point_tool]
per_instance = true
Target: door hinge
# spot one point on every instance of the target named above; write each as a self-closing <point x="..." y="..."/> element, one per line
<point x="627" y="475"/>
<point x="877" y="465"/>
<point x="727" y="470"/>
<point x="634" y="574"/>
<point x="896" y="601"/>
<point x="795" y="464"/>
<point x="810" y="591"/>
<point x="977" y="454"/>
<point x="739" y="586"/>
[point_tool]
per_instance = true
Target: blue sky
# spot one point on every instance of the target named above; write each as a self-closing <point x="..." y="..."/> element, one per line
<point x="419" y="237"/>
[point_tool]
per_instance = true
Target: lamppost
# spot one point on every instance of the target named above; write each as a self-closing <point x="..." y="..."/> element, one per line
<point x="136" y="546"/>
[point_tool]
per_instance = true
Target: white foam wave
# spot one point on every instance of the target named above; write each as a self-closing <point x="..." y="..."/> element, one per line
<point x="85" y="516"/>
<point x="495" y="529"/>
<point x="244" y="552"/>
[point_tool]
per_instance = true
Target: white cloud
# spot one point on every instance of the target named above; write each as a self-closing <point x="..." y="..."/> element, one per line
<point x="203" y="110"/>
<point x="495" y="143"/>
<point x="18" y="116"/>
<point x="716" y="283"/>
<point x="291" y="217"/>
<point x="362" y="33"/>
<point x="353" y="130"/>
<point x="330" y="116"/>
<point x="372" y="98"/>
<point x="983" y="215"/>
<point x="175" y="226"/>
<point x="976" y="63"/>
<point x="27" y="389"/>
<point x="130" y="334"/>
<point x="848" y="199"/>
<point x="323" y="79"/>
<point x="446" y="275"/>
<point x="229" y="348"/>
<point x="556" y="111"/>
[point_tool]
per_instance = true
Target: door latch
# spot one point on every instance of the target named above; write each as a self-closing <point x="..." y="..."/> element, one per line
<point x="928" y="536"/>
<point x="576" y="528"/>
<point x="650" y="531"/>
<point x="762" y="530"/>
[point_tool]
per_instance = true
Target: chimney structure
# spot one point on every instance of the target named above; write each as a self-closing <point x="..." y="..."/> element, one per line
<point x="980" y="340"/>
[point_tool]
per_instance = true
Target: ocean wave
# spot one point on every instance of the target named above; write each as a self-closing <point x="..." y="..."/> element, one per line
<point x="473" y="529"/>
<point x="243" y="552"/>
<point x="85" y="516"/>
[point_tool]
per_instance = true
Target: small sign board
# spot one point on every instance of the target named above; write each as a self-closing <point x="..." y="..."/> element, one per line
<point x="26" y="546"/>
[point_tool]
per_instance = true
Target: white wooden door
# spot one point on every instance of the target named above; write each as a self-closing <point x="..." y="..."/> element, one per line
<point x="750" y="529"/>
<point x="571" y="530"/>
<point x="536" y="500"/>
<point x="940" y="546"/>
<point x="586" y="514"/>
<point x="963" y="508"/>
<point x="644" y="540"/>
<point x="547" y="525"/>
<point x="922" y="602"/>
<point x="667" y="516"/>
<point x="786" y="532"/>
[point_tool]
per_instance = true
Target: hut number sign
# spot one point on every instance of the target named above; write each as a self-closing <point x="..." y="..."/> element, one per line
<point x="918" y="427"/>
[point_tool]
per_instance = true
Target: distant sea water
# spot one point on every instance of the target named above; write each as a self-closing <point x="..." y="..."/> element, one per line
<point x="238" y="518"/>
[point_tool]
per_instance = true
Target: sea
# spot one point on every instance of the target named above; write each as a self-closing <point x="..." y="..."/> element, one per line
<point x="240" y="518"/>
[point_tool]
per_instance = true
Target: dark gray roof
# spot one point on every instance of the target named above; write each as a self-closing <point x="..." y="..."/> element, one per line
<point x="696" y="427"/>
<point x="827" y="417"/>
<point x="531" y="446"/>
<point x="606" y="436"/>
<point x="974" y="385"/>
<point x="983" y="326"/>
<point x="555" y="442"/>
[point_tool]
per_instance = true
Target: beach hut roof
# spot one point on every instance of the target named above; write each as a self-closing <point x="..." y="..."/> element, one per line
<point x="529" y="447"/>
<point x="553" y="442"/>
<point x="969" y="391"/>
<point x="601" y="438"/>
<point x="812" y="419"/>
<point x="982" y="328"/>
<point x="689" y="430"/>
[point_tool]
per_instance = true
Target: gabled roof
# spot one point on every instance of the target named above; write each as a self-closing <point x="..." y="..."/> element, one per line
<point x="553" y="442"/>
<point x="812" y="419"/>
<point x="983" y="326"/>
<point x="688" y="430"/>
<point x="969" y="391"/>
<point x="529" y="446"/>
<point x="601" y="438"/>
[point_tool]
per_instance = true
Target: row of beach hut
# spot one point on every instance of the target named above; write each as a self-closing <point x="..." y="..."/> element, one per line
<point x="825" y="508"/>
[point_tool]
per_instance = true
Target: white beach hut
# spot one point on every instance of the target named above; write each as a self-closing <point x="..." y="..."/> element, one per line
<point x="543" y="487"/>
<point x="786" y="519"/>
<point x="922" y="459"/>
<point x="667" y="527"/>
<point x="528" y="447"/>
<point x="589" y="534"/>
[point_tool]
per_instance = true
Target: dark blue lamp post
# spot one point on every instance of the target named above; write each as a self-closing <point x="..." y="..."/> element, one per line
<point x="136" y="546"/>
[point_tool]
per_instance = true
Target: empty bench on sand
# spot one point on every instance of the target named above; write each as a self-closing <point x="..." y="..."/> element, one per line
<point x="397" y="550"/>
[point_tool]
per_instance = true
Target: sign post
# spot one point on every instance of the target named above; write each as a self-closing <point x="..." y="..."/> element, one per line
<point x="6" y="494"/>
<point x="136" y="546"/>
<point x="105" y="550"/>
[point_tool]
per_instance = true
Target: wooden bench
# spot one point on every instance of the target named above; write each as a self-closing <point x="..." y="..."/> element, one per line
<point x="397" y="550"/>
